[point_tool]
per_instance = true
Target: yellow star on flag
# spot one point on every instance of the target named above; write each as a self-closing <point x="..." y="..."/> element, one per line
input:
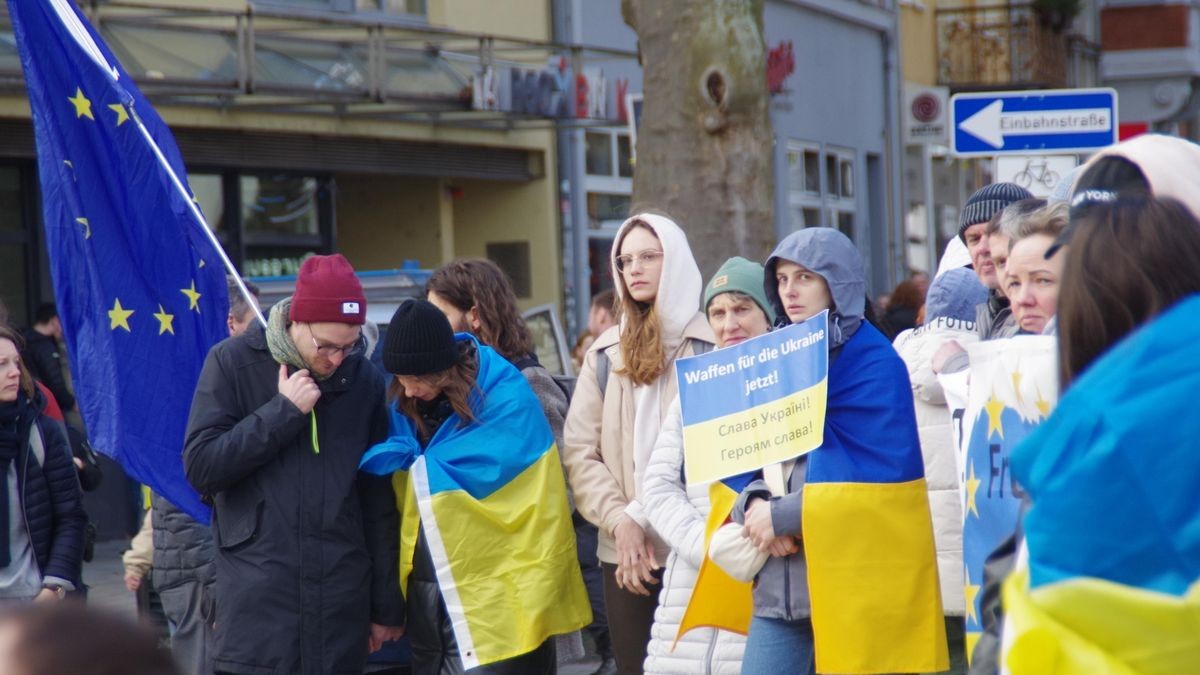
<point x="970" y="592"/>
<point x="87" y="229"/>
<point x="119" y="316"/>
<point x="164" y="321"/>
<point x="1042" y="404"/>
<point x="972" y="488"/>
<point x="1016" y="380"/>
<point x="122" y="116"/>
<point x="994" y="407"/>
<point x="83" y="107"/>
<point x="72" y="168"/>
<point x="193" y="296"/>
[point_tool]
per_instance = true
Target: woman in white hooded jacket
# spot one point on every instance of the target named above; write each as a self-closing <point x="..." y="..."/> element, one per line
<point x="737" y="310"/>
<point x="950" y="312"/>
<point x="625" y="388"/>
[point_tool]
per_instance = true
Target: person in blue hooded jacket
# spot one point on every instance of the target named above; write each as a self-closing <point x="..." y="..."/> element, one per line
<point x="851" y="582"/>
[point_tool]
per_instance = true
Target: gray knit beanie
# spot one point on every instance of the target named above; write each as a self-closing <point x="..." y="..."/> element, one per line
<point x="987" y="202"/>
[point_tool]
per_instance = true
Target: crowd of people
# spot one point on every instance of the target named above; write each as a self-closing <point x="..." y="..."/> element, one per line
<point x="499" y="519"/>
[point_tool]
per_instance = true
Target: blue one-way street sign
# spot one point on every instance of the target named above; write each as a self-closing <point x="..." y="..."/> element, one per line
<point x="1035" y="121"/>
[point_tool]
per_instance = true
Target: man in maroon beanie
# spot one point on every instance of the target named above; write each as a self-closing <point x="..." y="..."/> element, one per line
<point x="307" y="561"/>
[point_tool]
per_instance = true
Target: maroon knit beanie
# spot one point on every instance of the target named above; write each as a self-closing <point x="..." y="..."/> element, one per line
<point x="328" y="291"/>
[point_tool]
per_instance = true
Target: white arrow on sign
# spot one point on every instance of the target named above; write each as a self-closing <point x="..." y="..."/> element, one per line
<point x="991" y="124"/>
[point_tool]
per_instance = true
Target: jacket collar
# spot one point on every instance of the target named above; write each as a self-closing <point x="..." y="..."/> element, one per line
<point x="342" y="378"/>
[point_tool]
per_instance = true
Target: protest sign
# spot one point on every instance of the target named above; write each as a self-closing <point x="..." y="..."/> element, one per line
<point x="1013" y="387"/>
<point x="755" y="403"/>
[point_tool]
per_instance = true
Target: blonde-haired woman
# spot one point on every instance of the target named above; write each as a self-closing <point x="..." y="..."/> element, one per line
<point x="625" y="390"/>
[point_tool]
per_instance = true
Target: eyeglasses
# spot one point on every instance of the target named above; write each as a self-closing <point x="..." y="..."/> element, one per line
<point x="329" y="351"/>
<point x="645" y="258"/>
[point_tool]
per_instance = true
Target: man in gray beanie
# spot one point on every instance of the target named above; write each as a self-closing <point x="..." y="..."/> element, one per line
<point x="993" y="316"/>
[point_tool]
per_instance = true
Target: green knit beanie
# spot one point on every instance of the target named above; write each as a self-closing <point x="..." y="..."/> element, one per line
<point x="743" y="276"/>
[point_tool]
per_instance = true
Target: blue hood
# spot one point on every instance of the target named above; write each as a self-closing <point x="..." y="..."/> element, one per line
<point x="832" y="255"/>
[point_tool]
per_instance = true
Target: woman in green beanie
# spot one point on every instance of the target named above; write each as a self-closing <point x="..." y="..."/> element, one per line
<point x="737" y="310"/>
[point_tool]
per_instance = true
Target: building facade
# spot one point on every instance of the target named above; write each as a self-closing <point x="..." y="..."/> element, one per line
<point x="836" y="152"/>
<point x="957" y="46"/>
<point x="310" y="126"/>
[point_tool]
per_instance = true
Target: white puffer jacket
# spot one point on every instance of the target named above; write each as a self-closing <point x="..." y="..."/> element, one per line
<point x="917" y="347"/>
<point x="678" y="514"/>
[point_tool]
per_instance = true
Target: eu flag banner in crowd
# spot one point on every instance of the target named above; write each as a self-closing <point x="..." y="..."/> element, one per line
<point x="755" y="403"/>
<point x="1013" y="387"/>
<point x="491" y="498"/>
<point x="1111" y="582"/>
<point x="141" y="291"/>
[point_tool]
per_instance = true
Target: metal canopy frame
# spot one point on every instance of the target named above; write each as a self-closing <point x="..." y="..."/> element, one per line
<point x="384" y="39"/>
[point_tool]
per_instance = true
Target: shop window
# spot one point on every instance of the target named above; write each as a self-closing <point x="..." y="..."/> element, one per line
<point x="845" y="223"/>
<point x="599" y="154"/>
<point x="607" y="210"/>
<point x="284" y="219"/>
<point x="279" y="204"/>
<point x="209" y="194"/>
<point x="811" y="167"/>
<point x="624" y="157"/>
<point x="609" y="154"/>
<point x="812" y="172"/>
<point x="599" y="262"/>
<point x="17" y="288"/>
<point x="513" y="258"/>
<point x="847" y="180"/>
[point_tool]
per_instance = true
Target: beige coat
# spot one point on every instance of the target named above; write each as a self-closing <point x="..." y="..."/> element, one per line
<point x="599" y="439"/>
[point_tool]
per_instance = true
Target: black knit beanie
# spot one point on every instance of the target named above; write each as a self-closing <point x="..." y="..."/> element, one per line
<point x="419" y="340"/>
<point x="987" y="202"/>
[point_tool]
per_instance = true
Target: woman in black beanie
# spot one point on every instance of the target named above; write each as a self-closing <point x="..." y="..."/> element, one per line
<point x="487" y="544"/>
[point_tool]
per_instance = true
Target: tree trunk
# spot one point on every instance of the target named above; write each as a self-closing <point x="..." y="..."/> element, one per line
<point x="704" y="140"/>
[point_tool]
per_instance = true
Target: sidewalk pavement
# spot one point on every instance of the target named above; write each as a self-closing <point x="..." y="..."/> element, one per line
<point x="105" y="577"/>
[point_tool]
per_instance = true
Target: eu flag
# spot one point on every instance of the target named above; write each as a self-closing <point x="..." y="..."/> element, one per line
<point x="141" y="290"/>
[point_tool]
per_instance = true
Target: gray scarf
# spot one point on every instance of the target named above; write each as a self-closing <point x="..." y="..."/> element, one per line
<point x="279" y="341"/>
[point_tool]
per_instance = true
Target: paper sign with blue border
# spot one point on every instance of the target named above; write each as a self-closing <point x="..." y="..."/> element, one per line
<point x="756" y="403"/>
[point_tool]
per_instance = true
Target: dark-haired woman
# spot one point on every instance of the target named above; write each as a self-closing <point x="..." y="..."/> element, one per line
<point x="1113" y="530"/>
<point x="487" y="549"/>
<point x="41" y="536"/>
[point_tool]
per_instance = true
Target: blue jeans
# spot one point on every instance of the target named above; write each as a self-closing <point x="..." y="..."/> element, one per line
<point x="777" y="646"/>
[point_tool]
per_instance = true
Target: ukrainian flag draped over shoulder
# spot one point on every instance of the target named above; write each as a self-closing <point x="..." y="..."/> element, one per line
<point x="1113" y="535"/>
<point x="493" y="503"/>
<point x="866" y="523"/>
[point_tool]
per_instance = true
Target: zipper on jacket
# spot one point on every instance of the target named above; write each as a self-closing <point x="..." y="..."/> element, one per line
<point x="712" y="647"/>
<point x="787" y="568"/>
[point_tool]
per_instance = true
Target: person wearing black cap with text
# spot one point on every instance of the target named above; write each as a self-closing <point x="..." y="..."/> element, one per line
<point x="306" y="563"/>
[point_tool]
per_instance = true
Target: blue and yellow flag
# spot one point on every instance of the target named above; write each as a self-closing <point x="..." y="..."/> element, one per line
<point x="141" y="292"/>
<point x="718" y="600"/>
<point x="1112" y="581"/>
<point x="867" y="531"/>
<point x="866" y="523"/>
<point x="493" y="503"/>
<point x="1012" y="387"/>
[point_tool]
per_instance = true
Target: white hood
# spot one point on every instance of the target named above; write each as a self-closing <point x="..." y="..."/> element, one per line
<point x="679" y="289"/>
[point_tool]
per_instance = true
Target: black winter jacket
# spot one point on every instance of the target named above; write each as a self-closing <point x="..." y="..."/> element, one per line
<point x="53" y="504"/>
<point x="306" y="545"/>
<point x="45" y="364"/>
<point x="183" y="548"/>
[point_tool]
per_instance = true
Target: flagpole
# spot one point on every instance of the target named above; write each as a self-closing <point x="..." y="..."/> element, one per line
<point x="187" y="198"/>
